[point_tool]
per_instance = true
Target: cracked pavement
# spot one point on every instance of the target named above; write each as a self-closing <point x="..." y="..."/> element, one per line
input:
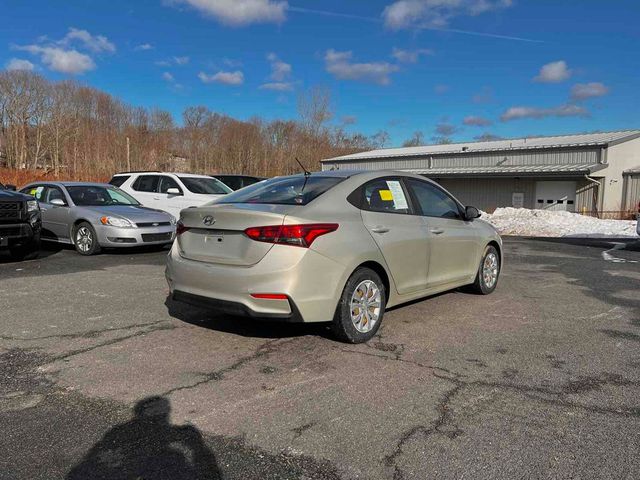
<point x="539" y="380"/>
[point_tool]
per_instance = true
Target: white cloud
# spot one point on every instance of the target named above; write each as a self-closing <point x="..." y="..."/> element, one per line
<point x="226" y="78"/>
<point x="584" y="91"/>
<point x="61" y="60"/>
<point x="277" y="86"/>
<point x="177" y="61"/>
<point x="474" y="121"/>
<point x="554" y="72"/>
<point x="20" y="64"/>
<point x="409" y="56"/>
<point x="144" y="46"/>
<point x="280" y="70"/>
<point x="95" y="43"/>
<point x="168" y="77"/>
<point x="339" y="64"/>
<point x="241" y="12"/>
<point x="435" y="13"/>
<point x="567" y="110"/>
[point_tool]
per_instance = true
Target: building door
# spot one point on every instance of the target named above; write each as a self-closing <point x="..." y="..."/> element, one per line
<point x="556" y="196"/>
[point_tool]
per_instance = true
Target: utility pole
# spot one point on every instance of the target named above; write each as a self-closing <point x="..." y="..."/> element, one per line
<point x="128" y="155"/>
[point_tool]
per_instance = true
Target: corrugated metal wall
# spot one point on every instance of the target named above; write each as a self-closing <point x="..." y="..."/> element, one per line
<point x="631" y="191"/>
<point x="487" y="159"/>
<point x="490" y="193"/>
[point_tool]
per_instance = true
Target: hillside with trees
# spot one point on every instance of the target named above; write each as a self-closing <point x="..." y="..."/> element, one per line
<point x="69" y="130"/>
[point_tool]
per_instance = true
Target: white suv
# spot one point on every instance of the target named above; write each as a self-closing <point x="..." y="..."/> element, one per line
<point x="170" y="192"/>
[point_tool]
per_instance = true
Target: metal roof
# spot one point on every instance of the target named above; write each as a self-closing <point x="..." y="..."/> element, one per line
<point x="520" y="169"/>
<point x="564" y="141"/>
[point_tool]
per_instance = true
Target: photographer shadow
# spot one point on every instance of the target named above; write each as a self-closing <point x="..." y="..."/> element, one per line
<point x="148" y="446"/>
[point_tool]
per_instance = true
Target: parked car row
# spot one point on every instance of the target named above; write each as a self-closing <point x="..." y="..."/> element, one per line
<point x="336" y="246"/>
<point x="135" y="208"/>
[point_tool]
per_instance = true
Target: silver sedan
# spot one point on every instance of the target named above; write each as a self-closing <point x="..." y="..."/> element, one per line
<point x="334" y="247"/>
<point x="95" y="215"/>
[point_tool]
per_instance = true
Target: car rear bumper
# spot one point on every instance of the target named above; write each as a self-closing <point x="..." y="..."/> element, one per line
<point x="311" y="282"/>
<point x="134" y="237"/>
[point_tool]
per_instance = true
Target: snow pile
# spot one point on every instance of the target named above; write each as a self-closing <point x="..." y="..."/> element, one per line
<point x="546" y="223"/>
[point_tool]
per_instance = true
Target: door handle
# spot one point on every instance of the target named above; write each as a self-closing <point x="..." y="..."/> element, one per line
<point x="156" y="198"/>
<point x="437" y="231"/>
<point x="379" y="229"/>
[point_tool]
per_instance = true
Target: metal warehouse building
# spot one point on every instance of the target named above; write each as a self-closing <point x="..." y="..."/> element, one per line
<point x="597" y="173"/>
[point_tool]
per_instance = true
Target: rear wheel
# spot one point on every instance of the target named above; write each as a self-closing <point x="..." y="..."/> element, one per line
<point x="361" y="307"/>
<point x="488" y="272"/>
<point x="85" y="239"/>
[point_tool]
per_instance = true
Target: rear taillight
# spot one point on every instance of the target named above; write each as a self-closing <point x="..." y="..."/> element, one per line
<point x="180" y="228"/>
<point x="296" y="235"/>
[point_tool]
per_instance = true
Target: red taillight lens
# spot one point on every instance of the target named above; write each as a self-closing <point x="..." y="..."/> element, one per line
<point x="270" y="296"/>
<point x="296" y="235"/>
<point x="180" y="228"/>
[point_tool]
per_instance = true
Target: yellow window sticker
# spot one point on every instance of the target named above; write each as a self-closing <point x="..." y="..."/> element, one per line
<point x="386" y="195"/>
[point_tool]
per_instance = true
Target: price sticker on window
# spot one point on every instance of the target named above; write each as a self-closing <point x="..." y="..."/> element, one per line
<point x="399" y="200"/>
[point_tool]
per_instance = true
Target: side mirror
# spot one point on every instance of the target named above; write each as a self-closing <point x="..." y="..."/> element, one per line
<point x="58" y="202"/>
<point x="470" y="213"/>
<point x="11" y="187"/>
<point x="174" y="191"/>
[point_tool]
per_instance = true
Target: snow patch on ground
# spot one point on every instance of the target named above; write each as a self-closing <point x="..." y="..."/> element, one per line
<point x="545" y="223"/>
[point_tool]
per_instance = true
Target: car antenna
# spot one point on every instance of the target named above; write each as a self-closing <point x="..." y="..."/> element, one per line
<point x="307" y="173"/>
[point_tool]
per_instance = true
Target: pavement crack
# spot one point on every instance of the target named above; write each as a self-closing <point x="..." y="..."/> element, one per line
<point x="87" y="334"/>
<point x="262" y="351"/>
<point x="72" y="353"/>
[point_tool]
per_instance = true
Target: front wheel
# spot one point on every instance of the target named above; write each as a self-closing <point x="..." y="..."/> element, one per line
<point x="85" y="239"/>
<point x="361" y="307"/>
<point x="488" y="272"/>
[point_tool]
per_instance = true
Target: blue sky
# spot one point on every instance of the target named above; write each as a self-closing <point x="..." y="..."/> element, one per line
<point x="456" y="68"/>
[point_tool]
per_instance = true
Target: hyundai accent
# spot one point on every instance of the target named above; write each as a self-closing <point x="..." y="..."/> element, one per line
<point x="333" y="246"/>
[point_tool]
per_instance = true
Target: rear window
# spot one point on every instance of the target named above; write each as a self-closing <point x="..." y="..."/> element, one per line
<point x="283" y="191"/>
<point x="207" y="186"/>
<point x="118" y="180"/>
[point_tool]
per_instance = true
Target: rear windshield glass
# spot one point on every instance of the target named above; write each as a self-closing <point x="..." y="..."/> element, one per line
<point x="207" y="186"/>
<point x="118" y="180"/>
<point x="283" y="191"/>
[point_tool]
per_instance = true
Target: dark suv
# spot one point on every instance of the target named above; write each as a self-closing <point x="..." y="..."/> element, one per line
<point x="20" y="223"/>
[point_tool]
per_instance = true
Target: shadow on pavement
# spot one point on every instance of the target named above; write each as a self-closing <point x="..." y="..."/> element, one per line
<point x="149" y="447"/>
<point x="243" y="326"/>
<point x="632" y="244"/>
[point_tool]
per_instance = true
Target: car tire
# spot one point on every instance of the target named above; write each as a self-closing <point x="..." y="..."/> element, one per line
<point x="364" y="287"/>
<point x="85" y="239"/>
<point x="26" y="251"/>
<point x="488" y="272"/>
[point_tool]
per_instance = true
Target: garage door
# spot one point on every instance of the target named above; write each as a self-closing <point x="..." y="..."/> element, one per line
<point x="555" y="195"/>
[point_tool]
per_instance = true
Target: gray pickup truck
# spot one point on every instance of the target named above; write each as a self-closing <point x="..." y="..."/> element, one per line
<point x="20" y="223"/>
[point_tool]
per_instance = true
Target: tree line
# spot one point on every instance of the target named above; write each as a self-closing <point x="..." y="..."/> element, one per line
<point x="70" y="129"/>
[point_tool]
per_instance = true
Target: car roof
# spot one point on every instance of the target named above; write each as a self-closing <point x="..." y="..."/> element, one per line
<point x="72" y="184"/>
<point x="152" y="172"/>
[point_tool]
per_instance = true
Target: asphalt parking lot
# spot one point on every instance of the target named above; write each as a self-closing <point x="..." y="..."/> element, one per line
<point x="102" y="377"/>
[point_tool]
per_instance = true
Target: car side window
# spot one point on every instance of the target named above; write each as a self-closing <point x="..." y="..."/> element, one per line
<point x="432" y="201"/>
<point x="118" y="180"/>
<point x="385" y="195"/>
<point x="36" y="191"/>
<point x="54" y="193"/>
<point x="166" y="183"/>
<point x="146" y="183"/>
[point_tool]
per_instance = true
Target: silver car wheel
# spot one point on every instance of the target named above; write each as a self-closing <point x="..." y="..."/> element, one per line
<point x="84" y="239"/>
<point x="490" y="270"/>
<point x="366" y="304"/>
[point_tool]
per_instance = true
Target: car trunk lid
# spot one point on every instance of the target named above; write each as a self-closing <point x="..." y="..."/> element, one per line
<point x="215" y="233"/>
